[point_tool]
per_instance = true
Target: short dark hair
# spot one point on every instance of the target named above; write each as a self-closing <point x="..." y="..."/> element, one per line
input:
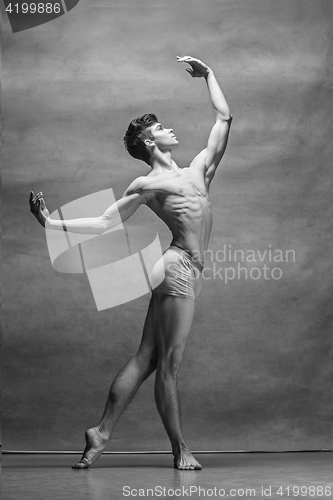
<point x="136" y="134"/>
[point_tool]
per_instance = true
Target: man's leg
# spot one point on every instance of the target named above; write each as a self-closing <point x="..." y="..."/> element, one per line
<point x="122" y="390"/>
<point x="173" y="320"/>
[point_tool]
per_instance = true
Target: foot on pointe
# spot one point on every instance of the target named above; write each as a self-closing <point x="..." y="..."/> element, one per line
<point x="95" y="446"/>
<point x="184" y="460"/>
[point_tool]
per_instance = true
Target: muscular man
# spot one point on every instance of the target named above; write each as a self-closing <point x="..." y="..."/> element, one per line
<point x="179" y="196"/>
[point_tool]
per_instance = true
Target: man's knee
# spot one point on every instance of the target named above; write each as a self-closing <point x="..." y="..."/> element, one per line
<point x="148" y="358"/>
<point x="169" y="364"/>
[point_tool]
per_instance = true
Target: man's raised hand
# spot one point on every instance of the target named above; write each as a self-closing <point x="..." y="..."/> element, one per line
<point x="198" y="68"/>
<point x="38" y="207"/>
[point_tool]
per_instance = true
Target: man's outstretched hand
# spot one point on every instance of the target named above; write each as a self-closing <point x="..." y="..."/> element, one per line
<point x="198" y="68"/>
<point x="38" y="207"/>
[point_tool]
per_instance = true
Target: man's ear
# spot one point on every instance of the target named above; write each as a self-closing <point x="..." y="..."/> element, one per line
<point x="149" y="142"/>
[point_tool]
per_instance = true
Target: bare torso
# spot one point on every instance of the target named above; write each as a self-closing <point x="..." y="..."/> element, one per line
<point x="180" y="199"/>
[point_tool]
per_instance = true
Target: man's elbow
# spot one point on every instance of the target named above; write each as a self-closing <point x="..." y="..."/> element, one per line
<point x="102" y="226"/>
<point x="224" y="118"/>
<point x="110" y="222"/>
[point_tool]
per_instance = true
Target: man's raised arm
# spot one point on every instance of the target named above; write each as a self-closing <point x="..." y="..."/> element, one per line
<point x="118" y="212"/>
<point x="210" y="157"/>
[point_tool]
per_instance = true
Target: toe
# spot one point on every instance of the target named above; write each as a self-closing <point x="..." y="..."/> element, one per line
<point x="82" y="464"/>
<point x="79" y="465"/>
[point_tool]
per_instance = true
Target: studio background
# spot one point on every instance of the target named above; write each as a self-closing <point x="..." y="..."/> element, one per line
<point x="257" y="370"/>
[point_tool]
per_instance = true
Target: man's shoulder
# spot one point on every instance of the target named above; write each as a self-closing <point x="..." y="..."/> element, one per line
<point x="137" y="185"/>
<point x="143" y="187"/>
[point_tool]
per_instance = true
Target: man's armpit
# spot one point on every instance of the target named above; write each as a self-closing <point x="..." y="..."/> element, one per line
<point x="199" y="161"/>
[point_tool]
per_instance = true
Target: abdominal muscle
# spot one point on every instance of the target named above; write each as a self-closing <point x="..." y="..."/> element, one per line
<point x="189" y="218"/>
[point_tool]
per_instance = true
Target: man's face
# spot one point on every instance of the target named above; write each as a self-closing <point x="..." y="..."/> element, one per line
<point x="164" y="138"/>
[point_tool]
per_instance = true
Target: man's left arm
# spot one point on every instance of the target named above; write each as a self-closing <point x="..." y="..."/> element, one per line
<point x="211" y="156"/>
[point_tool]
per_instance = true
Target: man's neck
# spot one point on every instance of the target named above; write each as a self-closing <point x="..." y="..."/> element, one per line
<point x="163" y="161"/>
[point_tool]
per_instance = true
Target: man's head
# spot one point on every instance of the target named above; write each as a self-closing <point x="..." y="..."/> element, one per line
<point x="144" y="133"/>
<point x="136" y="134"/>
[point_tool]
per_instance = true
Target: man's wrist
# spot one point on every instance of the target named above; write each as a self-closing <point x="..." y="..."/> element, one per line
<point x="209" y="72"/>
<point x="47" y="223"/>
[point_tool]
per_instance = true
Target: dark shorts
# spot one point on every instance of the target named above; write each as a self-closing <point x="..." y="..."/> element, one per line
<point x="182" y="276"/>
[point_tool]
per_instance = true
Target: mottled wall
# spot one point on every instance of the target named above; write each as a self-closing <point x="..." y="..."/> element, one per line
<point x="257" y="371"/>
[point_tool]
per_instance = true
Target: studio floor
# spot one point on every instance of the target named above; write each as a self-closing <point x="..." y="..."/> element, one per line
<point x="116" y="476"/>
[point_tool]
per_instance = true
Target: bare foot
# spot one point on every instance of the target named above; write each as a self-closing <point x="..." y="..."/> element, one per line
<point x="184" y="460"/>
<point x="95" y="446"/>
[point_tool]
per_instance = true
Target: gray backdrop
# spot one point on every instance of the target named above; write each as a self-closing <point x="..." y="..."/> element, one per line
<point x="257" y="370"/>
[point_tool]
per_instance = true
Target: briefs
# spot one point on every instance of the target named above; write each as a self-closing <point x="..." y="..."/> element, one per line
<point x="182" y="275"/>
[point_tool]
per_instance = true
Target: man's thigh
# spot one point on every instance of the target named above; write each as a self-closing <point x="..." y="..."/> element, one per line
<point x="173" y="317"/>
<point x="148" y="341"/>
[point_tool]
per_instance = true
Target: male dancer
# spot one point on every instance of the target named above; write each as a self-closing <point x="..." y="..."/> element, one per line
<point x="179" y="196"/>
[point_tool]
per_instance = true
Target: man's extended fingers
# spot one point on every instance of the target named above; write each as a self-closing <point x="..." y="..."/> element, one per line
<point x="184" y="58"/>
<point x="36" y="200"/>
<point x="188" y="59"/>
<point x="38" y="196"/>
